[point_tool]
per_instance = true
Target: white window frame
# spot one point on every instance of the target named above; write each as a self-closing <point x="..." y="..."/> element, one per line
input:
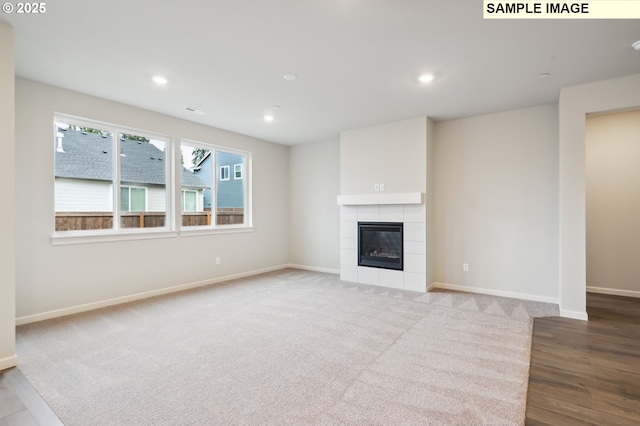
<point x="247" y="226"/>
<point x="117" y="232"/>
<point x="237" y="168"/>
<point x="228" y="169"/>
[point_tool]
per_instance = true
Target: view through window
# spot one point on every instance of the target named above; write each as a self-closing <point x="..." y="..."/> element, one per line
<point x="110" y="179"/>
<point x="93" y="163"/>
<point x="224" y="196"/>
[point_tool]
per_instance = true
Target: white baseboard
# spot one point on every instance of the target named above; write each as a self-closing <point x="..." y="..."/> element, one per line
<point x="492" y="292"/>
<point x="432" y="286"/>
<point x="314" y="268"/>
<point x="138" y="296"/>
<point x="574" y="315"/>
<point x="8" y="362"/>
<point x="613" y="291"/>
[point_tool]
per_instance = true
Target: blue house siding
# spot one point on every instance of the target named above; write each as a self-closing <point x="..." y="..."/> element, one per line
<point x="230" y="192"/>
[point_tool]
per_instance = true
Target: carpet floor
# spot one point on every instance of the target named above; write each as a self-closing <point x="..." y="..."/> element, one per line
<point x="287" y="347"/>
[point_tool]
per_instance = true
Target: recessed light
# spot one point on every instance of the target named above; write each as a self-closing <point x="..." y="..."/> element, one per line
<point x="268" y="118"/>
<point x="636" y="45"/>
<point x="290" y="77"/>
<point x="544" y="75"/>
<point x="426" y="78"/>
<point x="158" y="79"/>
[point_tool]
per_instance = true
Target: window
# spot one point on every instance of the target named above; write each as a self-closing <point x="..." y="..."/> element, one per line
<point x="133" y="199"/>
<point x="112" y="181"/>
<point x="108" y="178"/>
<point x="189" y="201"/>
<point x="224" y="173"/>
<point x="197" y="181"/>
<point x="225" y="199"/>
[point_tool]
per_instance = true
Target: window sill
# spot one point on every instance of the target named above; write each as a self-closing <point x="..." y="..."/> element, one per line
<point x="87" y="237"/>
<point x="194" y="231"/>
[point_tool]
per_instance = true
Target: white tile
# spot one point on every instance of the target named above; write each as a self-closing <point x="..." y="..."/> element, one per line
<point x="349" y="229"/>
<point x="391" y="213"/>
<point x="349" y="243"/>
<point x="412" y="247"/>
<point x="415" y="231"/>
<point x="415" y="263"/>
<point x="349" y="257"/>
<point x="349" y="273"/>
<point x="415" y="282"/>
<point x="415" y="213"/>
<point x="369" y="213"/>
<point x="368" y="275"/>
<point x="349" y="213"/>
<point x="390" y="278"/>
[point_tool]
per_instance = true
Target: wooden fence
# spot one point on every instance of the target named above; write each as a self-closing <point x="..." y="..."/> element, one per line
<point x="73" y="221"/>
<point x="229" y="216"/>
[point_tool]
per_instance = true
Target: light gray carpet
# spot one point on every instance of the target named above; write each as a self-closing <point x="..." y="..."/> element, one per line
<point x="289" y="347"/>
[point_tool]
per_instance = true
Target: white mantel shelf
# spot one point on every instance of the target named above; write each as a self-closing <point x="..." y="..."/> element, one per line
<point x="390" y="198"/>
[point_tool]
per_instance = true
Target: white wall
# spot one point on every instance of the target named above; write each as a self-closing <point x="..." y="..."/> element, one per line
<point x="613" y="203"/>
<point x="314" y="216"/>
<point x="430" y="202"/>
<point x="55" y="277"/>
<point x="575" y="103"/>
<point x="7" y="193"/>
<point x="394" y="154"/>
<point x="496" y="202"/>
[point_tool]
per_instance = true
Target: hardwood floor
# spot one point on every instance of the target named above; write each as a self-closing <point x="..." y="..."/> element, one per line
<point x="587" y="373"/>
<point x="20" y="404"/>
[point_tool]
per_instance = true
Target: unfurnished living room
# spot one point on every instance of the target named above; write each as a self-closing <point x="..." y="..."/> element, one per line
<point x="319" y="213"/>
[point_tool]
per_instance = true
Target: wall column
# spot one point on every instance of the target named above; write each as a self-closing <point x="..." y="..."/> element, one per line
<point x="8" y="356"/>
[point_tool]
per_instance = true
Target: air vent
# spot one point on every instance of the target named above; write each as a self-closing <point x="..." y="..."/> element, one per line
<point x="195" y="111"/>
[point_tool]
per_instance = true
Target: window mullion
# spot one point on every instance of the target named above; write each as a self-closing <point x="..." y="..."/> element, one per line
<point x="214" y="188"/>
<point x="116" y="180"/>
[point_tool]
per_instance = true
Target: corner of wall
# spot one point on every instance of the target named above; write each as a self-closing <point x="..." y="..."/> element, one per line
<point x="7" y="190"/>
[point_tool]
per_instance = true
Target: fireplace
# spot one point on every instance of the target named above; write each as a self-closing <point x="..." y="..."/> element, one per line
<point x="380" y="245"/>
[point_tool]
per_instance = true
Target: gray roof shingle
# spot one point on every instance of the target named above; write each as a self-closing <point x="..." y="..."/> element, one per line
<point x="89" y="156"/>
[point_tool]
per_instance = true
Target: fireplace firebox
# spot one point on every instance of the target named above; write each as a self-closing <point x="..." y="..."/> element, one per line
<point x="380" y="245"/>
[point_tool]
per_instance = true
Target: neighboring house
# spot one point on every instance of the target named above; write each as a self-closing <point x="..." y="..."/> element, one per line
<point x="84" y="175"/>
<point x="229" y="175"/>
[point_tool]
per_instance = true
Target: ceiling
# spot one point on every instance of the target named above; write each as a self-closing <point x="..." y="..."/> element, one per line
<point x="357" y="61"/>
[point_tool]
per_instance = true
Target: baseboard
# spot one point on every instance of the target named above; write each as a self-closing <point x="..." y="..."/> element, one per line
<point x="613" y="291"/>
<point x="138" y="296"/>
<point x="492" y="292"/>
<point x="8" y="362"/>
<point x="574" y="315"/>
<point x="432" y="286"/>
<point x="314" y="268"/>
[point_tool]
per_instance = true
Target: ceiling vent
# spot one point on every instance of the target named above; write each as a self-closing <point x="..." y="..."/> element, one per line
<point x="195" y="111"/>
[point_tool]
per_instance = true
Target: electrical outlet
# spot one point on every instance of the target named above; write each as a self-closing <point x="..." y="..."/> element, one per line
<point x="376" y="187"/>
<point x="218" y="260"/>
<point x="465" y="267"/>
<point x="382" y="187"/>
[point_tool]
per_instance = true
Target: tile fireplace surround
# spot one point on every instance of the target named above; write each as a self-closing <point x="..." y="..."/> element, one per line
<point x="406" y="208"/>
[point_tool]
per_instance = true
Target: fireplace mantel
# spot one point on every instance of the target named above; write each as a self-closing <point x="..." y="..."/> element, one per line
<point x="390" y="198"/>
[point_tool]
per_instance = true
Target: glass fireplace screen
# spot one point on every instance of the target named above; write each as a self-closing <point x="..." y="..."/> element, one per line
<point x="380" y="245"/>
